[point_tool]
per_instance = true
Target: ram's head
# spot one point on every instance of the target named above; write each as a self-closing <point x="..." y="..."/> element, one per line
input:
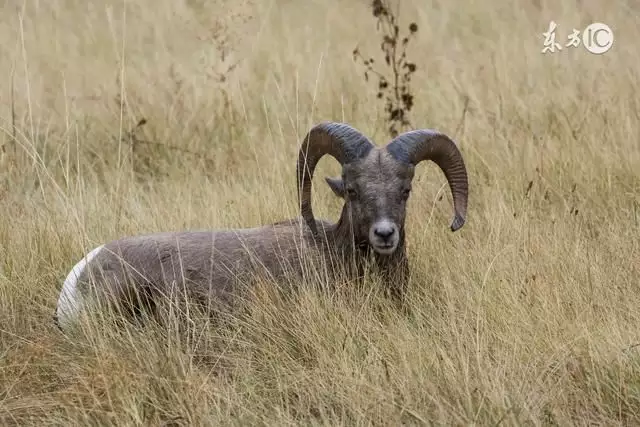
<point x="376" y="182"/>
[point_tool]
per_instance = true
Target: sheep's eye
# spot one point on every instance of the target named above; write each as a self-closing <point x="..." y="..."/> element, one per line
<point x="406" y="192"/>
<point x="352" y="193"/>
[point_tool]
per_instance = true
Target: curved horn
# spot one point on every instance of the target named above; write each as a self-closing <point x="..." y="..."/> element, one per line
<point x="340" y="141"/>
<point x="425" y="144"/>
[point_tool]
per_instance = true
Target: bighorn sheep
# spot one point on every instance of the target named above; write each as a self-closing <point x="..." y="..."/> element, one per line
<point x="375" y="185"/>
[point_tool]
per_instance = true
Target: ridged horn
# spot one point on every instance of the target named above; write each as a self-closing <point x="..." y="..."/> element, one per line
<point x="425" y="144"/>
<point x="339" y="140"/>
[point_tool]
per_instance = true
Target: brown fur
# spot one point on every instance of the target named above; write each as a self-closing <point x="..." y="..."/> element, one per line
<point x="213" y="266"/>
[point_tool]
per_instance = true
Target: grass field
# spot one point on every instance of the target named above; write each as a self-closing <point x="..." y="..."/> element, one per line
<point x="528" y="315"/>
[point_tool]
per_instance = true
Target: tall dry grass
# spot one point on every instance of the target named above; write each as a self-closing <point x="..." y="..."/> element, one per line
<point x="528" y="315"/>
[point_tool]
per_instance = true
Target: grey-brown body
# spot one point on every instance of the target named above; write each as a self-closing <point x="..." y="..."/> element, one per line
<point x="212" y="267"/>
<point x="204" y="264"/>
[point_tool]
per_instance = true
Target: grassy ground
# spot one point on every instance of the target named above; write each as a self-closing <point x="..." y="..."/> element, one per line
<point x="529" y="314"/>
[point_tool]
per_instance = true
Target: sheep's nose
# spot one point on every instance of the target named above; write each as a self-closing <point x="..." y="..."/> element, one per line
<point x="384" y="231"/>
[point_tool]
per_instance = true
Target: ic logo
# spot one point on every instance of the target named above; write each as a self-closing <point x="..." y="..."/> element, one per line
<point x="597" y="38"/>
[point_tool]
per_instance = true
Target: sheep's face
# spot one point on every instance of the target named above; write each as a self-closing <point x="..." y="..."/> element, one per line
<point x="375" y="189"/>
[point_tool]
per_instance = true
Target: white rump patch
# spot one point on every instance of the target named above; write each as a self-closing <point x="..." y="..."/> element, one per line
<point x="70" y="300"/>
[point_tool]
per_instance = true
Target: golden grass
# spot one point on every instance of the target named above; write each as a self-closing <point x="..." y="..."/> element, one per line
<point x="529" y="314"/>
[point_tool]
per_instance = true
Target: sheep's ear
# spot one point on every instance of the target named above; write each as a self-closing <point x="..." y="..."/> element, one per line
<point x="336" y="185"/>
